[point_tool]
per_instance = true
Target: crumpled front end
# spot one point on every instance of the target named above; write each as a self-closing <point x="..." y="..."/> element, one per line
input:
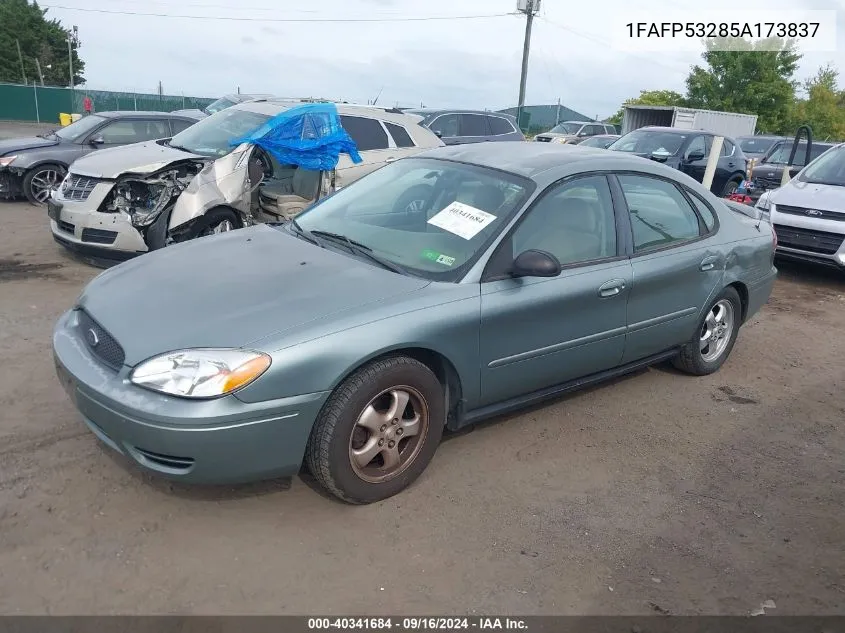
<point x="11" y="183"/>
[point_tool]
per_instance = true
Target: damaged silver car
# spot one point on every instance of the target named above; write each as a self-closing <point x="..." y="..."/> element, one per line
<point x="123" y="202"/>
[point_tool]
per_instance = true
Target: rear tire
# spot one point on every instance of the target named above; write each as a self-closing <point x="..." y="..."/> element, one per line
<point x="715" y="336"/>
<point x="377" y="431"/>
<point x="730" y="187"/>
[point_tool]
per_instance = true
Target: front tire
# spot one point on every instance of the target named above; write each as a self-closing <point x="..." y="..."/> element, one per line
<point x="378" y="430"/>
<point x="730" y="187"/>
<point x="40" y="181"/>
<point x="715" y="337"/>
<point x="219" y="220"/>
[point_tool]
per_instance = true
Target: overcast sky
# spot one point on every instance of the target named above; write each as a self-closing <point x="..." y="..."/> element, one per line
<point x="470" y="63"/>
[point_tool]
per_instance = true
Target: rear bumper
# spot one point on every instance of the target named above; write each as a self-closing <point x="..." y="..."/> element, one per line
<point x="759" y="293"/>
<point x="219" y="441"/>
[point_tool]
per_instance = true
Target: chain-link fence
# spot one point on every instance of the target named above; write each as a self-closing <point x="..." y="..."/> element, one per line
<point x="45" y="103"/>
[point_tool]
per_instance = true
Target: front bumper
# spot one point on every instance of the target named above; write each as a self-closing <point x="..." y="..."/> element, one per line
<point x="11" y="184"/>
<point x="809" y="240"/>
<point x="218" y="441"/>
<point x="104" y="238"/>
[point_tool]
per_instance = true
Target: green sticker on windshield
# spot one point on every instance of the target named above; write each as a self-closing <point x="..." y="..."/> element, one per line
<point x="439" y="258"/>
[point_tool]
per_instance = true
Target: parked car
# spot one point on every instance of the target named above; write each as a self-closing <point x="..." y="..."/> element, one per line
<point x="808" y="213"/>
<point x="602" y="141"/>
<point x="469" y="126"/>
<point x="222" y="103"/>
<point x="118" y="204"/>
<point x="574" y="132"/>
<point x="769" y="173"/>
<point x="35" y="166"/>
<point x="687" y="151"/>
<point x="350" y="337"/>
<point x="758" y="146"/>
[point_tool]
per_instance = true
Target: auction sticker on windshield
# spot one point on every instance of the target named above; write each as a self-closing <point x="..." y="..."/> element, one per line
<point x="462" y="220"/>
<point x="439" y="258"/>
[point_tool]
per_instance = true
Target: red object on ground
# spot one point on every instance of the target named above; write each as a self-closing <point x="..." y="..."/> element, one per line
<point x="86" y="104"/>
<point x="740" y="197"/>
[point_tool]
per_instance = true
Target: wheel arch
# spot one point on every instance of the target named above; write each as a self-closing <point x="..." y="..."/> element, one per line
<point x="742" y="291"/>
<point x="46" y="161"/>
<point x="442" y="367"/>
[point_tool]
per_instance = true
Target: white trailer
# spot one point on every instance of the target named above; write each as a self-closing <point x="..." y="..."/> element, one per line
<point x="729" y="124"/>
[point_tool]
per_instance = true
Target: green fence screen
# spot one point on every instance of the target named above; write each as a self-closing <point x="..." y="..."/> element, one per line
<point x="43" y="104"/>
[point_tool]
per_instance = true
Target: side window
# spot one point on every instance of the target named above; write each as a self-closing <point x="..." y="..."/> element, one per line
<point x="367" y="133"/>
<point x="696" y="146"/>
<point x="446" y="124"/>
<point x="133" y="131"/>
<point x="178" y="125"/>
<point x="474" y="125"/>
<point x="499" y="126"/>
<point x="660" y="215"/>
<point x="704" y="211"/>
<point x="609" y="129"/>
<point x="708" y="141"/>
<point x="592" y="130"/>
<point x="573" y="221"/>
<point x="727" y="148"/>
<point x="400" y="135"/>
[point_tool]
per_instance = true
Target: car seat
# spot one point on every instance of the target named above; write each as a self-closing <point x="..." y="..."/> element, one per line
<point x="288" y="204"/>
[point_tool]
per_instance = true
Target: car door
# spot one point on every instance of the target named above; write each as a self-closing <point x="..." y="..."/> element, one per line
<point x="676" y="265"/>
<point x="447" y="127"/>
<point x="127" y="131"/>
<point x="373" y="145"/>
<point x="726" y="167"/>
<point x="538" y="332"/>
<point x="694" y="157"/>
<point x="473" y="128"/>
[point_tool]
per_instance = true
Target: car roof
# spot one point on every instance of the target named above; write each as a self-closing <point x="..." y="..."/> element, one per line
<point x="761" y="136"/>
<point x="432" y="111"/>
<point x="531" y="159"/>
<point x="137" y="114"/>
<point x="275" y="106"/>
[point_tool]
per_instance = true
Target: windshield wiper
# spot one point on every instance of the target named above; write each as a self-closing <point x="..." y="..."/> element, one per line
<point x="303" y="233"/>
<point x="179" y="147"/>
<point x="361" y="249"/>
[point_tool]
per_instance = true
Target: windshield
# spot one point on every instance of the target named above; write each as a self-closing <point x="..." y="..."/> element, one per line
<point x="753" y="145"/>
<point x="430" y="217"/>
<point x="781" y="155"/>
<point x="212" y="135"/>
<point x="645" y="142"/>
<point x="566" y="128"/>
<point x="220" y="104"/>
<point x="829" y="169"/>
<point x="79" y="129"/>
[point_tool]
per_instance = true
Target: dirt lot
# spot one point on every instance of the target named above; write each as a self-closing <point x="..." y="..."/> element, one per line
<point x="655" y="493"/>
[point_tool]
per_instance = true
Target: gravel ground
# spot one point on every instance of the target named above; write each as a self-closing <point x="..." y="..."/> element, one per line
<point x="651" y="494"/>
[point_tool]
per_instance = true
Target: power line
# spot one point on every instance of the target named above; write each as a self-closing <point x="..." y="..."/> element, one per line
<point x="297" y="20"/>
<point x="604" y="42"/>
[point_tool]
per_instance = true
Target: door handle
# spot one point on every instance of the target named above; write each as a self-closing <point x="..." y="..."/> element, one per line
<point x="708" y="263"/>
<point x="611" y="288"/>
<point x="390" y="159"/>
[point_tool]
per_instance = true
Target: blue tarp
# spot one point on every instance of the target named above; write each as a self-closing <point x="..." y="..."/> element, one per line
<point x="309" y="136"/>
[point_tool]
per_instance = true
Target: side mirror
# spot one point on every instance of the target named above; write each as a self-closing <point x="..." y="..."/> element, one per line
<point x="438" y="134"/>
<point x="97" y="140"/>
<point x="535" y="264"/>
<point x="694" y="156"/>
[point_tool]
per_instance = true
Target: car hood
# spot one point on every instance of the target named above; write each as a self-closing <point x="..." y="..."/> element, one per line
<point x="138" y="158"/>
<point x="12" y="145"/>
<point x="231" y="290"/>
<point x="810" y="195"/>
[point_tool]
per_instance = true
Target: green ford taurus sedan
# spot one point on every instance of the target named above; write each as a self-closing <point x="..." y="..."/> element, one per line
<point x="439" y="290"/>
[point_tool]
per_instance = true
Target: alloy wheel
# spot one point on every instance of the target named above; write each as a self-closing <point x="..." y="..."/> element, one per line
<point x="717" y="330"/>
<point x="43" y="183"/>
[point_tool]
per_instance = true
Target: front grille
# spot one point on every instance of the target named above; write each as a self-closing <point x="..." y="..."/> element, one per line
<point x="67" y="227"/>
<point x="767" y="184"/>
<point x="818" y="214"/>
<point x="808" y="240"/>
<point x="543" y="139"/>
<point x="99" y="236"/>
<point x="78" y="187"/>
<point x="168" y="461"/>
<point x="100" y="342"/>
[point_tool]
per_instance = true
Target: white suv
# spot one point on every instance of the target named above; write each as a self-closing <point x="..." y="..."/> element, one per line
<point x="808" y="213"/>
<point x="118" y="203"/>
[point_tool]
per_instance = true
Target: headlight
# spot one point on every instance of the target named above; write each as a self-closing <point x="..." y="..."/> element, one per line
<point x="5" y="161"/>
<point x="559" y="139"/>
<point x="200" y="373"/>
<point x="763" y="202"/>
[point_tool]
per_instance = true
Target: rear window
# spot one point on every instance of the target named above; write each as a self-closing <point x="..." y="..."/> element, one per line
<point x="473" y="125"/>
<point x="399" y="134"/>
<point x="368" y="134"/>
<point x="499" y="126"/>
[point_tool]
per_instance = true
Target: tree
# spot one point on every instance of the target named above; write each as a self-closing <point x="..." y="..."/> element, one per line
<point x="823" y="109"/>
<point x="752" y="78"/>
<point x="46" y="40"/>
<point x="649" y="97"/>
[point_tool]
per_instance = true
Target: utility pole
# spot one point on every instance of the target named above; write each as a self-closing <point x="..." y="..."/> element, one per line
<point x="557" y="116"/>
<point x="72" y="39"/>
<point x="40" y="74"/>
<point x="20" y="57"/>
<point x="529" y="8"/>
